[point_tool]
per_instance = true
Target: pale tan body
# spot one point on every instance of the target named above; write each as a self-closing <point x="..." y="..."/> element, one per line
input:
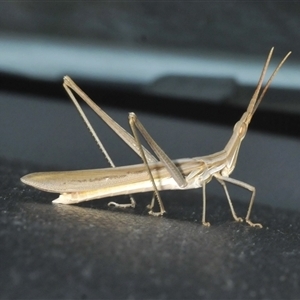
<point x="152" y="175"/>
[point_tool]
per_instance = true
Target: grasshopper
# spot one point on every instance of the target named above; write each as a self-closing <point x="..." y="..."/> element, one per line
<point x="153" y="174"/>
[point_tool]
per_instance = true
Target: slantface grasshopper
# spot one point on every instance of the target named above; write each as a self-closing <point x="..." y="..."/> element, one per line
<point x="154" y="174"/>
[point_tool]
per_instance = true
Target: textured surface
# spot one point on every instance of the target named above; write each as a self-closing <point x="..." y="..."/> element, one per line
<point x="89" y="251"/>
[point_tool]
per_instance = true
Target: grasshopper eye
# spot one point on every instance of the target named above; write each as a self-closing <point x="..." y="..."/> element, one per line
<point x="240" y="127"/>
<point x="243" y="129"/>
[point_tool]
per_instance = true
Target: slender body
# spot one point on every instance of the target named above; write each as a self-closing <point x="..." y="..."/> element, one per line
<point x="154" y="174"/>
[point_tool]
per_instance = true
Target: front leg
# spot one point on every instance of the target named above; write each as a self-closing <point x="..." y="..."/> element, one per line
<point x="249" y="187"/>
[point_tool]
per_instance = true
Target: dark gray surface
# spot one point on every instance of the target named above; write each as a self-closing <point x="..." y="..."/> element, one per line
<point x="89" y="251"/>
<point x="92" y="252"/>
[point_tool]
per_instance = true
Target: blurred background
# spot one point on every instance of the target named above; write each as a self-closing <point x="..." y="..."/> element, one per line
<point x="188" y="69"/>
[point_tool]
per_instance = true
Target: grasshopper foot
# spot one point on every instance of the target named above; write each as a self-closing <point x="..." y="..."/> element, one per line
<point x="206" y="224"/>
<point x="115" y="204"/>
<point x="238" y="219"/>
<point x="156" y="214"/>
<point x="258" y="225"/>
<point x="120" y="205"/>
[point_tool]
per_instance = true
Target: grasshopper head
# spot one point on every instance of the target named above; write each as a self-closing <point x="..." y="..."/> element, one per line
<point x="241" y="127"/>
